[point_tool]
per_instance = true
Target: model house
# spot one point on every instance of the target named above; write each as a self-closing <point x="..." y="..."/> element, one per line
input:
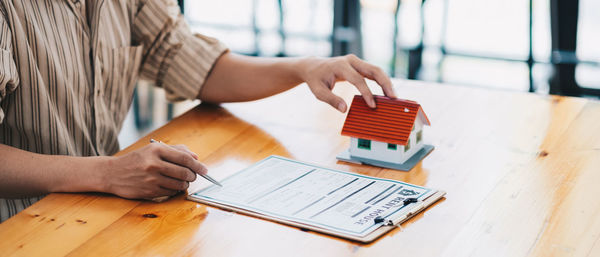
<point x="390" y="135"/>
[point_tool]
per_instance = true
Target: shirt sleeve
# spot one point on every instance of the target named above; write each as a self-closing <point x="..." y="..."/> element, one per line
<point x="9" y="78"/>
<point x="174" y="57"/>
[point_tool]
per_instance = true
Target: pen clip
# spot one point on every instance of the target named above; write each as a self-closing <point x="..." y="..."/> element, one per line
<point x="388" y="222"/>
<point x="395" y="220"/>
<point x="408" y="201"/>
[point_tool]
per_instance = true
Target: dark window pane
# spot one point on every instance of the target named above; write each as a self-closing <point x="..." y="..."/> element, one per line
<point x="364" y="144"/>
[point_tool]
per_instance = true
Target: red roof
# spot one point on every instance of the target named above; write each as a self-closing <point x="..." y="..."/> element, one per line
<point x="390" y="122"/>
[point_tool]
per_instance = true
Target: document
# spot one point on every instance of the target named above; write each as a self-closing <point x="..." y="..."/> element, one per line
<point x="320" y="197"/>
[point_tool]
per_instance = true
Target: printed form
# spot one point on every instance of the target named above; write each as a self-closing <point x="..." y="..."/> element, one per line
<point x="316" y="196"/>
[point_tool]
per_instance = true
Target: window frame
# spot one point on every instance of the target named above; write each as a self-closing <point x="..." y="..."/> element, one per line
<point x="365" y="146"/>
<point x="392" y="147"/>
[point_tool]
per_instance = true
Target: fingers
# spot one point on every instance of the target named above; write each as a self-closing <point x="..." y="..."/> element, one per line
<point x="180" y="158"/>
<point x="374" y="73"/>
<point x="358" y="81"/>
<point x="177" y="172"/>
<point x="324" y="73"/>
<point x="159" y="192"/>
<point x="322" y="92"/>
<point x="173" y="184"/>
<point x="185" y="149"/>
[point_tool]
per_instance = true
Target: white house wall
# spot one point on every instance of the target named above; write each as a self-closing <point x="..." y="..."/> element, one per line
<point x="414" y="147"/>
<point x="379" y="150"/>
<point x="418" y="124"/>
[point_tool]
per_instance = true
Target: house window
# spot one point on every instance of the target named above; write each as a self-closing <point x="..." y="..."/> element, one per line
<point x="392" y="146"/>
<point x="419" y="136"/>
<point x="364" y="144"/>
<point x="407" y="146"/>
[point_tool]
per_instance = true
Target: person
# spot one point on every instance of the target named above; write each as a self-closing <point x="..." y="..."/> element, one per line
<point x="68" y="69"/>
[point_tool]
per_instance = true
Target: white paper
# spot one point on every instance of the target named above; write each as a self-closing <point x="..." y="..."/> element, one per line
<point x="321" y="197"/>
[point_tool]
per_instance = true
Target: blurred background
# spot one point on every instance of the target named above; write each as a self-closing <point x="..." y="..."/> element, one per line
<point x="539" y="46"/>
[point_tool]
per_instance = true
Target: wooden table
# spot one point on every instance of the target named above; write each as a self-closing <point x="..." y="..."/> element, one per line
<point x="522" y="173"/>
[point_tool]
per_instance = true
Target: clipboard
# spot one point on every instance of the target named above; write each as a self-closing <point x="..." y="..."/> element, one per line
<point x="400" y="212"/>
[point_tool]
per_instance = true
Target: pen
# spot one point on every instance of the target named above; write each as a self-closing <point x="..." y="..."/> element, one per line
<point x="207" y="177"/>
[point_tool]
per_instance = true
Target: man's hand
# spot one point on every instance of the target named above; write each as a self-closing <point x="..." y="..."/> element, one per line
<point x="237" y="78"/>
<point x="152" y="171"/>
<point x="321" y="74"/>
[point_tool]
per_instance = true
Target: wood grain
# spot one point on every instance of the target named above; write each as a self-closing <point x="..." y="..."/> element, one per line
<point x="520" y="170"/>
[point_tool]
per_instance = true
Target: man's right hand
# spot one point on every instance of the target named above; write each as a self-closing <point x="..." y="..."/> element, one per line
<point x="152" y="171"/>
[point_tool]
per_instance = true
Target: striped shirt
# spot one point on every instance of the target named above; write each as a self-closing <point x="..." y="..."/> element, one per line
<point x="68" y="69"/>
